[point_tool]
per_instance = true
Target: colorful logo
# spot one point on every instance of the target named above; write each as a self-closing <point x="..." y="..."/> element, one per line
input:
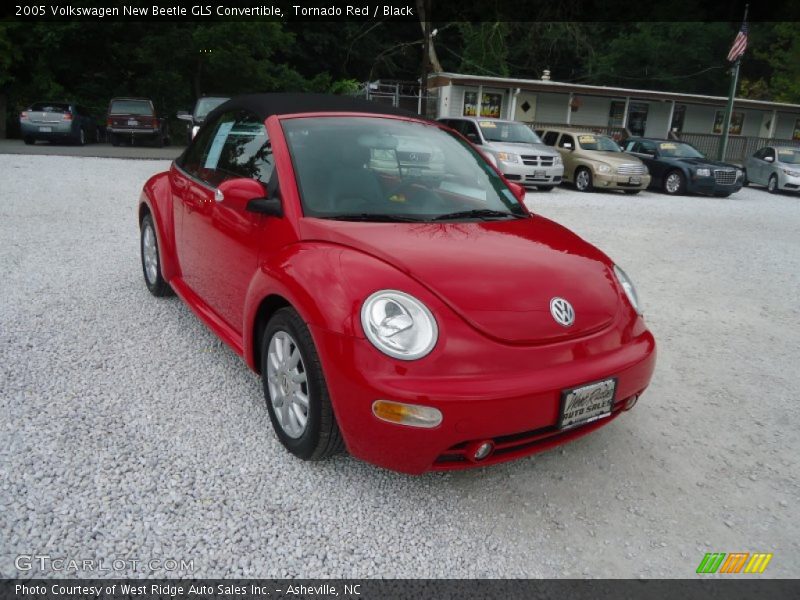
<point x="719" y="562"/>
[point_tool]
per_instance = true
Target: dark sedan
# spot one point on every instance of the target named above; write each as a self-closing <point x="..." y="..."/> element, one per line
<point x="679" y="168"/>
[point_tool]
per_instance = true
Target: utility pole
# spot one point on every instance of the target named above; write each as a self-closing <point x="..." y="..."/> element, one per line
<point x="726" y="124"/>
<point x="426" y="59"/>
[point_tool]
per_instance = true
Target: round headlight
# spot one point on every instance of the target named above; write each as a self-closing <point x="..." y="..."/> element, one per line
<point x="630" y="291"/>
<point x="399" y="325"/>
<point x="602" y="168"/>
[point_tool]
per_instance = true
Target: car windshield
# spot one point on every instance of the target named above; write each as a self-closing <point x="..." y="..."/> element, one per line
<point x="58" y="107"/>
<point x="382" y="169"/>
<point x="206" y="105"/>
<point x="513" y="133"/>
<point x="602" y="143"/>
<point x="789" y="156"/>
<point x="131" y="107"/>
<point x="678" y="150"/>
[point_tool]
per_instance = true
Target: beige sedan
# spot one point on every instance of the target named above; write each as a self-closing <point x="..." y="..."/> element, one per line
<point x="593" y="161"/>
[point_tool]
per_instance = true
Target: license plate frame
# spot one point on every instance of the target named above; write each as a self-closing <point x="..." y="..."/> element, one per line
<point x="599" y="395"/>
<point x="133" y="123"/>
<point x="45" y="129"/>
<point x="635" y="180"/>
<point x="539" y="175"/>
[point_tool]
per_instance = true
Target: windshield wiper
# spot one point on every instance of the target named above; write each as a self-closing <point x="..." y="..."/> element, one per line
<point x="374" y="217"/>
<point x="479" y="213"/>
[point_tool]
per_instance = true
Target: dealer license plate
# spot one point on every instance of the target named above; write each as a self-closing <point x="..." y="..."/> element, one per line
<point x="587" y="403"/>
<point x="538" y="175"/>
<point x="45" y="129"/>
<point x="133" y="122"/>
<point x="635" y="180"/>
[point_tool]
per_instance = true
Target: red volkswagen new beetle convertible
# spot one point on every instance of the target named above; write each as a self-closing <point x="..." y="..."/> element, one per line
<point x="390" y="287"/>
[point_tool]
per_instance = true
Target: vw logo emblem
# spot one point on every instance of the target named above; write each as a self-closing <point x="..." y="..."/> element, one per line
<point x="562" y="311"/>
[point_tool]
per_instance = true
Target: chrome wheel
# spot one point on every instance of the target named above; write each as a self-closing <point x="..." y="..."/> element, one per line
<point x="150" y="254"/>
<point x="673" y="183"/>
<point x="288" y="384"/>
<point x="583" y="180"/>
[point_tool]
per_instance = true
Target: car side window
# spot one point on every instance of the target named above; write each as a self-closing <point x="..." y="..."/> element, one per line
<point x="471" y="131"/>
<point x="550" y="138"/>
<point x="647" y="148"/>
<point x="194" y="157"/>
<point x="760" y="153"/>
<point x="769" y="152"/>
<point x="633" y="147"/>
<point x="566" y="139"/>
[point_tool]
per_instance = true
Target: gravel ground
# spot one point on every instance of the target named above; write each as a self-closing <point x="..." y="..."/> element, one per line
<point x="130" y="432"/>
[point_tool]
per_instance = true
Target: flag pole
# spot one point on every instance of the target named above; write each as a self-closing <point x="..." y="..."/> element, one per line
<point x="726" y="125"/>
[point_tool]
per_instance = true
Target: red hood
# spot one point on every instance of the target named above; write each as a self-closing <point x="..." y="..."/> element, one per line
<point x="498" y="275"/>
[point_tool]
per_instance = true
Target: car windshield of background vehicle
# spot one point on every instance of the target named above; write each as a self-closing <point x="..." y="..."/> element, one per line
<point x="380" y="169"/>
<point x="791" y="157"/>
<point x="602" y="143"/>
<point x="512" y="133"/>
<point x="50" y="107"/>
<point x="206" y="105"/>
<point x="131" y="107"/>
<point x="676" y="150"/>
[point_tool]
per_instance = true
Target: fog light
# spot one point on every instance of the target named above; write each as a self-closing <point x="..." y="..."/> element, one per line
<point x="407" y="414"/>
<point x="480" y="450"/>
<point x="630" y="402"/>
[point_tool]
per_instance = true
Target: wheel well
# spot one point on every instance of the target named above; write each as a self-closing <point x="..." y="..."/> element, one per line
<point x="266" y="309"/>
<point x="143" y="212"/>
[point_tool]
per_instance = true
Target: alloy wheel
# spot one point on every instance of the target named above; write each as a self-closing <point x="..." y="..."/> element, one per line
<point x="582" y="180"/>
<point x="673" y="183"/>
<point x="288" y="384"/>
<point x="150" y="254"/>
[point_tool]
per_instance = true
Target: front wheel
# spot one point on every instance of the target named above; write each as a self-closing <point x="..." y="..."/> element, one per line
<point x="151" y="260"/>
<point x="295" y="391"/>
<point x="674" y="183"/>
<point x="583" y="180"/>
<point x="772" y="184"/>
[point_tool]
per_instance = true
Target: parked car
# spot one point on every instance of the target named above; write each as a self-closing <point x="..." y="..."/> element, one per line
<point x="406" y="158"/>
<point x="515" y="149"/>
<point x="57" y="121"/>
<point x="595" y="161"/>
<point x="777" y="167"/>
<point x="421" y="320"/>
<point x="202" y="107"/>
<point x="679" y="168"/>
<point x="133" y="119"/>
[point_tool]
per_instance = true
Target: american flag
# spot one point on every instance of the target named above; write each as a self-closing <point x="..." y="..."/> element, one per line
<point x="739" y="44"/>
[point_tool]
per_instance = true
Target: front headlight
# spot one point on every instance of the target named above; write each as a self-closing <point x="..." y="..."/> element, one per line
<point x="739" y="173"/>
<point x="508" y="157"/>
<point x="603" y="168"/>
<point x="399" y="325"/>
<point x="791" y="173"/>
<point x="630" y="291"/>
<point x="703" y="172"/>
<point x="557" y="160"/>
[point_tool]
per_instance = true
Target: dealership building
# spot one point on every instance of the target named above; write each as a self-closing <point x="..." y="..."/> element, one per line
<point x="621" y="112"/>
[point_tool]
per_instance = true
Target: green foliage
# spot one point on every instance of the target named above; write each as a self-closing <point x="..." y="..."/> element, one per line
<point x="485" y="49"/>
<point x="783" y="57"/>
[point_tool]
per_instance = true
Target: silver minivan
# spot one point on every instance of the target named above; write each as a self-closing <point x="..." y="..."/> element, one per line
<point x="514" y="148"/>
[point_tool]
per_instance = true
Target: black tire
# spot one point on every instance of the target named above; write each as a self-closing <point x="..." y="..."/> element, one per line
<point x="745" y="181"/>
<point x="545" y="188"/>
<point x="632" y="192"/>
<point x="112" y="137"/>
<point x="159" y="141"/>
<point x="155" y="283"/>
<point x="321" y="437"/>
<point x="588" y="186"/>
<point x="772" y="184"/>
<point x="681" y="183"/>
<point x="29" y="140"/>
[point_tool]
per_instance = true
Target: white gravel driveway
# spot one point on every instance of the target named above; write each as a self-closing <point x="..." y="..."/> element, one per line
<point x="130" y="432"/>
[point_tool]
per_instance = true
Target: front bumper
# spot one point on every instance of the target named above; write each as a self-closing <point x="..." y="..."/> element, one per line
<point x="620" y="182"/>
<point x="517" y="411"/>
<point x="709" y="186"/>
<point x="788" y="183"/>
<point x="531" y="175"/>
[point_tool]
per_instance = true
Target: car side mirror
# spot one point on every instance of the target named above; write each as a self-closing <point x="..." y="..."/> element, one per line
<point x="473" y="137"/>
<point x="184" y="116"/>
<point x="567" y="146"/>
<point x="769" y="159"/>
<point x="247" y="194"/>
<point x="518" y="190"/>
<point x="270" y="207"/>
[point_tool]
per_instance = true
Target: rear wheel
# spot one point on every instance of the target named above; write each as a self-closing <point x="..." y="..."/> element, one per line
<point x="583" y="180"/>
<point x="29" y="140"/>
<point x="674" y="183"/>
<point x="295" y="391"/>
<point x="114" y="139"/>
<point x="772" y="184"/>
<point x="151" y="260"/>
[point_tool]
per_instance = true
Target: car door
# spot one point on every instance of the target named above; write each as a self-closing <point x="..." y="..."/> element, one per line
<point x="566" y="147"/>
<point x="647" y="152"/>
<point x="755" y="167"/>
<point x="767" y="166"/>
<point x="219" y="242"/>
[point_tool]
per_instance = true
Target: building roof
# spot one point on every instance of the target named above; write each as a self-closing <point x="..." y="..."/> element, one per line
<point x="266" y="105"/>
<point x="539" y="85"/>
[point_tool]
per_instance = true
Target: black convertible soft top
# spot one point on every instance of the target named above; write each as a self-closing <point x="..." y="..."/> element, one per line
<point x="266" y="105"/>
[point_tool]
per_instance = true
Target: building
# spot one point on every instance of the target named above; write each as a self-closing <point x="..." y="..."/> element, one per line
<point x="621" y="112"/>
